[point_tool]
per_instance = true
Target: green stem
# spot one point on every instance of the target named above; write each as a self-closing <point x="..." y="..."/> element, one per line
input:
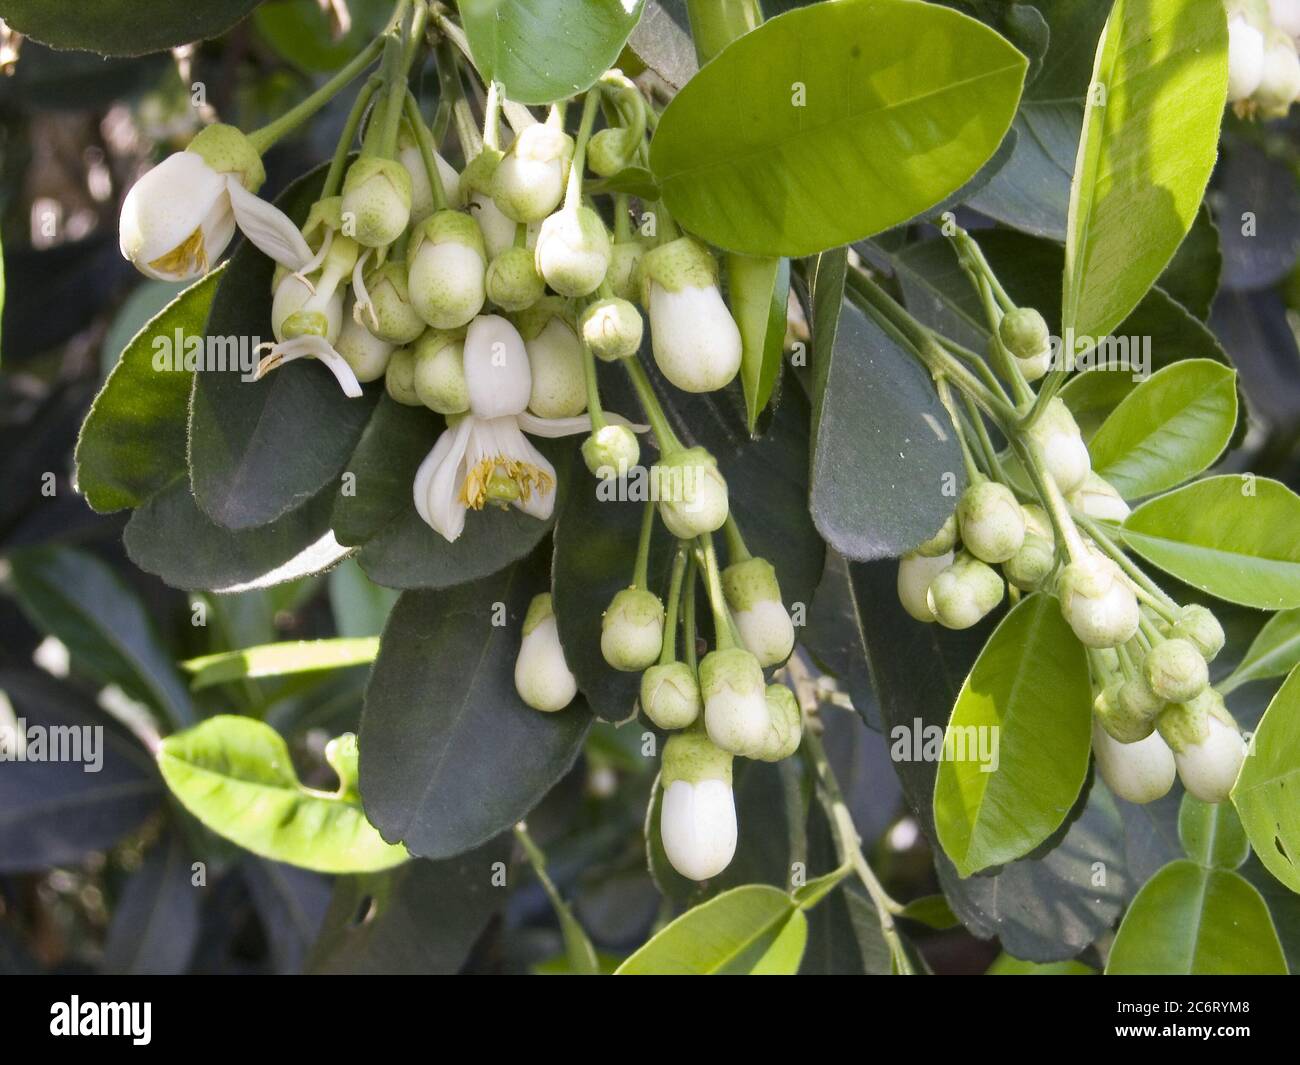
<point x="582" y="955"/>
<point x="1162" y="601"/>
<point x="1068" y="540"/>
<point x="737" y="551"/>
<point x="425" y="143"/>
<point x="688" y="612"/>
<point x="573" y="194"/>
<point x="669" y="652"/>
<point x="668" y="442"/>
<point x="723" y="635"/>
<point x="1007" y="364"/>
<point x="594" y="409"/>
<point x="991" y="460"/>
<point x="394" y="76"/>
<point x="334" y="176"/>
<point x="622" y="224"/>
<point x="641" y="574"/>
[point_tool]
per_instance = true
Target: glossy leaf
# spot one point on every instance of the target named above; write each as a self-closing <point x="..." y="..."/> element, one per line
<point x="833" y="122"/>
<point x="132" y="443"/>
<point x="1231" y="537"/>
<point x="280" y="660"/>
<point x="1211" y="834"/>
<point x="1192" y="921"/>
<point x="1265" y="792"/>
<point x="1005" y="965"/>
<point x="235" y="775"/>
<point x="1168" y="429"/>
<point x="545" y="50"/>
<point x="1274" y="652"/>
<point x="122" y="27"/>
<point x="1192" y="277"/>
<point x="1149" y="142"/>
<point x="757" y="289"/>
<point x="1028" y="693"/>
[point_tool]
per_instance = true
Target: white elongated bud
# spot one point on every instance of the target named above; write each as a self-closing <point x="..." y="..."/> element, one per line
<point x="915" y="572"/>
<point x="992" y="526"/>
<point x="612" y="328"/>
<point x="1199" y="627"/>
<point x="785" y="725"/>
<point x="1245" y="58"/>
<point x="941" y="543"/>
<point x="695" y="340"/>
<point x="421" y="191"/>
<point x="497" y="371"/>
<point x="1032" y="563"/>
<point x="1175" y="671"/>
<point x="447" y="264"/>
<point x="542" y="677"/>
<point x="692" y="493"/>
<point x="1285" y="15"/>
<point x="1061" y="445"/>
<point x="1097" y="498"/>
<point x="559" y="381"/>
<point x="399" y="378"/>
<point x="361" y="349"/>
<point x="632" y="630"/>
<point x="1097" y="602"/>
<point x="439" y="374"/>
<point x="1138" y="772"/>
<point x="1208" y="747"/>
<point x="528" y="183"/>
<point x="513" y="282"/>
<point x="735" y="701"/>
<point x="573" y="251"/>
<point x="625" y="269"/>
<point x="670" y="695"/>
<point x="376" y="201"/>
<point x="611" y="451"/>
<point x="754" y="598"/>
<point x="964" y="593"/>
<point x="697" y="815"/>
<point x="1280" y="82"/>
<point x="389" y="314"/>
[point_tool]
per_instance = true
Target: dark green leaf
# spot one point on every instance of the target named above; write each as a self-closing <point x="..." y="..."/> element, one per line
<point x="156" y="922"/>
<point x="122" y="27"/>
<point x="757" y="290"/>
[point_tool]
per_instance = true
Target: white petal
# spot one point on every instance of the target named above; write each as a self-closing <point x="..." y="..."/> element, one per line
<point x="698" y="827"/>
<point x="164" y="209"/>
<point x="269" y="228"/>
<point x="513" y="444"/>
<point x="497" y="373"/>
<point x="553" y="427"/>
<point x="437" y="482"/>
<point x="542" y="677"/>
<point x="317" y="348"/>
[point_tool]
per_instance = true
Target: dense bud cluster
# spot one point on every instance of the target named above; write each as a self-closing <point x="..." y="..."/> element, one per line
<point x="1263" y="65"/>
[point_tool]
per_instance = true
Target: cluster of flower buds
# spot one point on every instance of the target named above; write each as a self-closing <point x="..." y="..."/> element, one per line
<point x="1263" y="65"/>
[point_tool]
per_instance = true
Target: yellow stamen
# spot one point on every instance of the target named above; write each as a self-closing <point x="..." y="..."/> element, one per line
<point x="183" y="258"/>
<point x="483" y="482"/>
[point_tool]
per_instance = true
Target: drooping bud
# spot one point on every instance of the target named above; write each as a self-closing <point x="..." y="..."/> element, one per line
<point x="1098" y="499"/>
<point x="692" y="493"/>
<point x="376" y="201"/>
<point x="1032" y="564"/>
<point x="612" y="328"/>
<point x="735" y="700"/>
<point x="1098" y="602"/>
<point x="611" y="451"/>
<point x="439" y="374"/>
<point x="1061" y="444"/>
<point x="625" y="268"/>
<point x="942" y="542"/>
<point x="1199" y="627"/>
<point x="785" y="728"/>
<point x="559" y="379"/>
<point x="1245" y="58"/>
<point x="1280" y="82"/>
<point x="1024" y="333"/>
<point x="632" y="630"/>
<point x="389" y="315"/>
<point x="528" y="183"/>
<point x="1175" y="671"/>
<point x="670" y="695"/>
<point x="608" y="151"/>
<point x="915" y="572"/>
<point x="1137" y="709"/>
<point x="573" y="251"/>
<point x="695" y="340"/>
<point x="1208" y="747"/>
<point x="361" y="349"/>
<point x="964" y="593"/>
<point x="754" y="598"/>
<point x="992" y="526"/>
<point x="497" y="371"/>
<point x="1124" y="720"/>
<point x="513" y="282"/>
<point x="421" y="191"/>
<point x="697" y="817"/>
<point x="447" y="264"/>
<point x="1138" y="772"/>
<point x="399" y="377"/>
<point x="542" y="677"/>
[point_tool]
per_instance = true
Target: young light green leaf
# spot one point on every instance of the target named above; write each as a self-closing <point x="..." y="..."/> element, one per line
<point x="1265" y="792"/>
<point x="1191" y="921"/>
<point x="757" y="289"/>
<point x="1168" y="429"/>
<point x="1274" y="652"/>
<point x="833" y="122"/>
<point x="1017" y="745"/>
<point x="755" y="929"/>
<point x="280" y="659"/>
<point x="1005" y="965"/>
<point x="235" y="775"/>
<point x="1149" y="142"/>
<point x="1232" y="537"/>
<point x="1211" y="834"/>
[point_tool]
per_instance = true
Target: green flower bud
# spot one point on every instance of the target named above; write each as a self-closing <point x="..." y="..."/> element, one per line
<point x="1098" y="499"/>
<point x="377" y="200"/>
<point x="670" y="695"/>
<point x="573" y="251"/>
<point x="1175" y="671"/>
<point x="1118" y="716"/>
<point x="361" y="349"/>
<point x="1139" y="706"/>
<point x="692" y="493"/>
<point x="625" y="269"/>
<point x="447" y="266"/>
<point x="1097" y="602"/>
<point x="1139" y="772"/>
<point x="611" y="451"/>
<point x="528" y="182"/>
<point x="754" y="597"/>
<point x="1065" y="455"/>
<point x="1199" y="627"/>
<point x="229" y="151"/>
<point x="513" y="283"/>
<point x="632" y="630"/>
<point x="399" y="378"/>
<point x="942" y="542"/>
<point x="612" y="328"/>
<point x="992" y="526"/>
<point x="1208" y="746"/>
<point x="608" y="151"/>
<point x="439" y="373"/>
<point x="785" y="728"/>
<point x="735" y="701"/>
<point x="915" y="572"/>
<point x="1024" y="333"/>
<point x="542" y="677"/>
<point x="1032" y="564"/>
<point x="559" y="383"/>
<point x="394" y="319"/>
<point x="964" y="592"/>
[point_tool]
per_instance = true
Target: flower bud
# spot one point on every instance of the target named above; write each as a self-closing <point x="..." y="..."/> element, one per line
<point x="1285" y="15"/>
<point x="559" y="378"/>
<point x="528" y="183"/>
<point x="632" y="630"/>
<point x="421" y="192"/>
<point x="513" y="283"/>
<point x="942" y="542"/>
<point x="1032" y="564"/>
<point x="670" y="695"/>
<point x="497" y="370"/>
<point x="915" y="572"/>
<point x="399" y="378"/>
<point x="1098" y="602"/>
<point x="611" y="451"/>
<point x="394" y="319"/>
<point x="1024" y="333"/>
<point x="377" y="199"/>
<point x="439" y="372"/>
<point x="573" y="251"/>
<point x="1126" y="720"/>
<point x="785" y="728"/>
<point x="447" y="264"/>
<point x="1208" y="746"/>
<point x="1139" y="772"/>
<point x="964" y="593"/>
<point x="1175" y="671"/>
<point x="697" y="816"/>
<point x="695" y="340"/>
<point x="735" y="701"/>
<point x="542" y="677"/>
<point x="608" y="151"/>
<point x="754" y="597"/>
<point x="1280" y="81"/>
<point x="1199" y="627"/>
<point x="625" y="268"/>
<point x="612" y="328"/>
<point x="1062" y="448"/>
<point x="361" y="349"/>
<point x="692" y="493"/>
<point x="1098" y="499"/>
<point x="1245" y="58"/>
<point x="992" y="526"/>
<point x="296" y="310"/>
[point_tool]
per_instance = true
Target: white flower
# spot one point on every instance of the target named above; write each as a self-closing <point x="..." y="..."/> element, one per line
<point x="542" y="677"/>
<point x="1208" y="767"/>
<point x="1280" y="82"/>
<point x="573" y="251"/>
<point x="697" y="817"/>
<point x="1136" y="772"/>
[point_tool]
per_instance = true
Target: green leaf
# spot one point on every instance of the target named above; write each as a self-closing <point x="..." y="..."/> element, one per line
<point x="259" y="449"/>
<point x="1192" y="277"/>
<point x="1029" y="694"/>
<point x="450" y="755"/>
<point x="302" y="31"/>
<point x="932" y="911"/>
<point x="280" y="660"/>
<point x="1149" y="142"/>
<point x="1211" y="834"/>
<point x="833" y="122"/>
<point x="879" y="432"/>
<point x="757" y="289"/>
<point x="546" y="50"/>
<point x="122" y="27"/>
<point x="235" y="775"/>
<point x="1168" y="429"/>
<point x="1005" y="965"/>
<point x="1191" y="921"/>
<point x="359" y="605"/>
<point x="1231" y="537"/>
<point x="1267" y="806"/>
<point x="750" y="930"/>
<point x="76" y="597"/>
<point x="1274" y="652"/>
<point x="1091" y="396"/>
<point x="133" y="441"/>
